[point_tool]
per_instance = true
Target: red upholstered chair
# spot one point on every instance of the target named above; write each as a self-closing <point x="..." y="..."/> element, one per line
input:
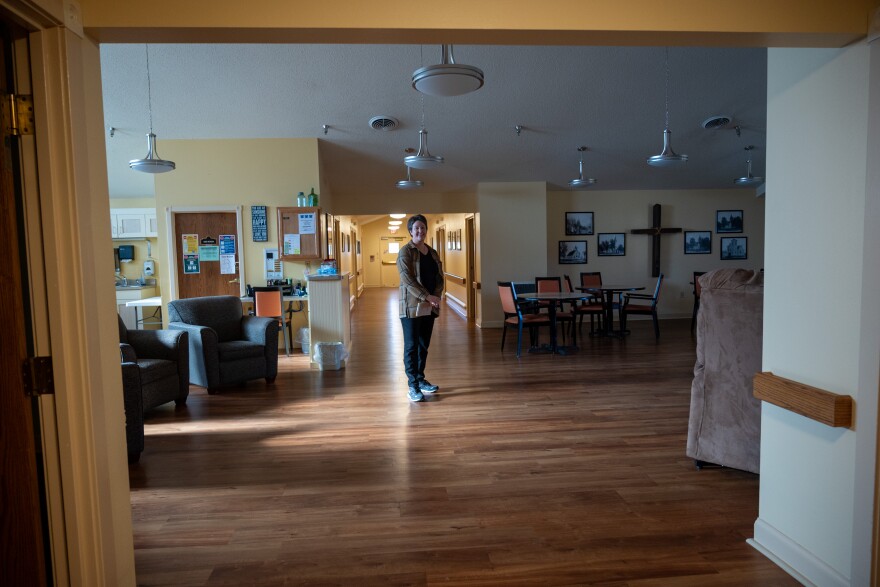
<point x="554" y="285"/>
<point x="591" y="307"/>
<point x="644" y="304"/>
<point x="269" y="303"/>
<point x="515" y="316"/>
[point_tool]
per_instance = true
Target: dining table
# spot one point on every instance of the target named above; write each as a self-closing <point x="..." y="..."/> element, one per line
<point x="555" y="298"/>
<point x="607" y="293"/>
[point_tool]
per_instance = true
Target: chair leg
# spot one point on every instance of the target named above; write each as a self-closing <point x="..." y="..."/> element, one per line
<point x="519" y="340"/>
<point x="656" y="324"/>
<point x="503" y="334"/>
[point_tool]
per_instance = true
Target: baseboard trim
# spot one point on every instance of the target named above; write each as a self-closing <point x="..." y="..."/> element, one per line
<point x="793" y="558"/>
<point x="456" y="305"/>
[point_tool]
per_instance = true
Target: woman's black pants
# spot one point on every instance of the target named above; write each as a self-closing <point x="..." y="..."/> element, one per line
<point x="416" y="338"/>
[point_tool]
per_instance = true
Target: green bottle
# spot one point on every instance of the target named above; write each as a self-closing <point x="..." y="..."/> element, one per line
<point x="313" y="198"/>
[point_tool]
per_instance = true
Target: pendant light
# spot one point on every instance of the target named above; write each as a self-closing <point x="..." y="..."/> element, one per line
<point x="581" y="182"/>
<point x="152" y="163"/>
<point x="748" y="179"/>
<point x="423" y="159"/>
<point x="667" y="157"/>
<point x="447" y="78"/>
<point x="408" y="184"/>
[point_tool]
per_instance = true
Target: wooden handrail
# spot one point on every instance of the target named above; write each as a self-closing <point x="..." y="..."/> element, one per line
<point x="455" y="278"/>
<point x="817" y="404"/>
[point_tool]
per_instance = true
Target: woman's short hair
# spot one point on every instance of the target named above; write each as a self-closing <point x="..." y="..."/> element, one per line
<point x="413" y="219"/>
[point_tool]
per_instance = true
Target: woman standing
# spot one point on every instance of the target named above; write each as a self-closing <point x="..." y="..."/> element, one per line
<point x="421" y="285"/>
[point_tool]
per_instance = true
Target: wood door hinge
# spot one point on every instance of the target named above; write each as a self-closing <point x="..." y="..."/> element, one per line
<point x="18" y="115"/>
<point x="38" y="376"/>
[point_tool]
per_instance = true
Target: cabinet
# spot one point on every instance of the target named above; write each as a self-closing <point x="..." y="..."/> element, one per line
<point x="129" y="223"/>
<point x="299" y="233"/>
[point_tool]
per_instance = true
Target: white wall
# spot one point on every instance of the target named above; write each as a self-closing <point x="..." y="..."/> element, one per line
<point x="622" y="211"/>
<point x="513" y="240"/>
<point x="821" y="323"/>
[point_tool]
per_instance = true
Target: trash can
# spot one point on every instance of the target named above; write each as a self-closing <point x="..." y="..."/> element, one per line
<point x="302" y="337"/>
<point x="330" y="355"/>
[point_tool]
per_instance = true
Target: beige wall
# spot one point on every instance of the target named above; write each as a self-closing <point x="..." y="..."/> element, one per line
<point x="621" y="211"/>
<point x="229" y="172"/>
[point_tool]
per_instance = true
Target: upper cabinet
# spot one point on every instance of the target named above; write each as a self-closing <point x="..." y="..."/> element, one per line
<point x="129" y="223"/>
<point x="299" y="233"/>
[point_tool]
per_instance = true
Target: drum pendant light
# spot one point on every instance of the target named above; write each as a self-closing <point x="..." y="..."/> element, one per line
<point x="423" y="159"/>
<point x="408" y="184"/>
<point x="152" y="163"/>
<point x="448" y="78"/>
<point x="749" y="179"/>
<point x="667" y="157"/>
<point x="581" y="182"/>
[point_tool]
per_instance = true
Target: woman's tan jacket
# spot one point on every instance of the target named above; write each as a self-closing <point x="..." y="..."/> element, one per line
<point x="411" y="290"/>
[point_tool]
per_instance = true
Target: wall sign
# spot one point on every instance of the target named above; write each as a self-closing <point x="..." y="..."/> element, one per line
<point x="258" y="224"/>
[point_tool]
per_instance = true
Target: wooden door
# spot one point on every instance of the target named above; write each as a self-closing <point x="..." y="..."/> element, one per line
<point x="21" y="533"/>
<point x="470" y="239"/>
<point x="204" y="276"/>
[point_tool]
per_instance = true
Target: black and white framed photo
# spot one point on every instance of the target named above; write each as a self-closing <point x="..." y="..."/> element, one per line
<point x="728" y="221"/>
<point x="572" y="252"/>
<point x="697" y="242"/>
<point x="578" y="223"/>
<point x="611" y="244"/>
<point x="734" y="247"/>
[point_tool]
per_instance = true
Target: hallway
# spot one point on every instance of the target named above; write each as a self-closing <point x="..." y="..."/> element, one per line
<point x="549" y="470"/>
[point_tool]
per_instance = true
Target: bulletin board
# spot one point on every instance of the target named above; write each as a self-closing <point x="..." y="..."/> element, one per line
<point x="299" y="233"/>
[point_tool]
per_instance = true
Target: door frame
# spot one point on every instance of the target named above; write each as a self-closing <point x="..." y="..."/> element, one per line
<point x="470" y="231"/>
<point x="172" y="248"/>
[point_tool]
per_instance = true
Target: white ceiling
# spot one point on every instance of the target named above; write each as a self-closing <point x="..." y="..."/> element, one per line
<point x="610" y="99"/>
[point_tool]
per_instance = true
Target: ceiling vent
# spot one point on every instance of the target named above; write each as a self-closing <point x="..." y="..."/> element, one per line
<point x="386" y="123"/>
<point x="714" y="122"/>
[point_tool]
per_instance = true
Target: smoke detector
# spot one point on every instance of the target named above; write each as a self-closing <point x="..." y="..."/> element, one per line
<point x="386" y="123"/>
<point x="714" y="122"/>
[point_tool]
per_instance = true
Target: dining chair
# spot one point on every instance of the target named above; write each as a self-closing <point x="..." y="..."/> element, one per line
<point x="515" y="316"/>
<point x="697" y="291"/>
<point x="649" y="308"/>
<point x="269" y="303"/>
<point x="554" y="285"/>
<point x="591" y="307"/>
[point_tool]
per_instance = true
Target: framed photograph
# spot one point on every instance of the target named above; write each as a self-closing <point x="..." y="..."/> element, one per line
<point x="697" y="242"/>
<point x="734" y="247"/>
<point x="458" y="240"/>
<point x="358" y="247"/>
<point x="728" y="221"/>
<point x="611" y="244"/>
<point x="572" y="252"/>
<point x="578" y="223"/>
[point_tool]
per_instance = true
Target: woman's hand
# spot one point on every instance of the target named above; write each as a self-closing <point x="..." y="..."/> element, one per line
<point x="434" y="301"/>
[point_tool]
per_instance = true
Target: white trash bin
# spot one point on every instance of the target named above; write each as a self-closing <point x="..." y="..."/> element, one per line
<point x="330" y="355"/>
<point x="302" y="337"/>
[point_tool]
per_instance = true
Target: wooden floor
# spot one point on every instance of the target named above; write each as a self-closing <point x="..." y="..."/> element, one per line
<point x="549" y="470"/>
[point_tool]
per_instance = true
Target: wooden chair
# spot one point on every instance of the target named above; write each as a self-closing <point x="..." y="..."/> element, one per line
<point x="591" y="307"/>
<point x="649" y="308"/>
<point x="697" y="291"/>
<point x="554" y="285"/>
<point x="269" y="303"/>
<point x="515" y="316"/>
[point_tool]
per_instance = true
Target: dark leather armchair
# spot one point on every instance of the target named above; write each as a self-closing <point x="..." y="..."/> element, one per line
<point x="155" y="370"/>
<point x="225" y="347"/>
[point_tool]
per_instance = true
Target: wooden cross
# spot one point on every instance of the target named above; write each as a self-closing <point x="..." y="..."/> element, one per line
<point x="655" y="231"/>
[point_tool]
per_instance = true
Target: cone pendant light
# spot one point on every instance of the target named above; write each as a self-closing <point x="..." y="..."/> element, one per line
<point x="748" y="179"/>
<point x="152" y="163"/>
<point x="667" y="157"/>
<point x="409" y="183"/>
<point x="581" y="181"/>
<point x="423" y="159"/>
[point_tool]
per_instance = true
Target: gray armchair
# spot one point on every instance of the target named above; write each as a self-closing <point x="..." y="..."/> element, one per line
<point x="225" y="347"/>
<point x="155" y="370"/>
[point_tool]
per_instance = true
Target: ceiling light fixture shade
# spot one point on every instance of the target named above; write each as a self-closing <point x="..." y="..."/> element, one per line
<point x="423" y="159"/>
<point x="407" y="184"/>
<point x="152" y="163"/>
<point x="581" y="182"/>
<point x="667" y="157"/>
<point x="447" y="78"/>
<point x="397" y="216"/>
<point x="748" y="179"/>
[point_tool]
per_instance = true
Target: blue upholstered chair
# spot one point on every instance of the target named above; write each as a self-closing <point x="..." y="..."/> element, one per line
<point x="225" y="347"/>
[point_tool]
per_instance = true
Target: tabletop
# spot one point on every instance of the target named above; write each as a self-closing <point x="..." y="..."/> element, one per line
<point x="552" y="295"/>
<point x="285" y="298"/>
<point x="612" y="287"/>
<point x="153" y="301"/>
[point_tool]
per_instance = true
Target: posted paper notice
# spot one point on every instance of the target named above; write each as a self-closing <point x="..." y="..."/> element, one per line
<point x="292" y="244"/>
